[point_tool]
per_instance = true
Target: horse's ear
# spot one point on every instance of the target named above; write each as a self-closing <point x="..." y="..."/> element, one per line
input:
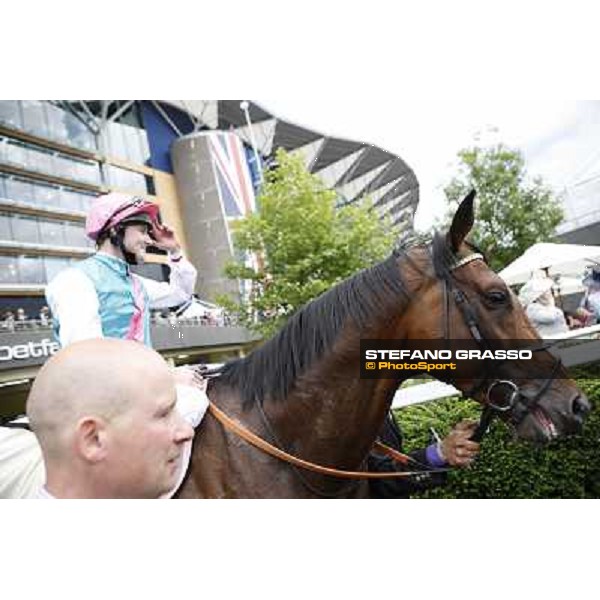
<point x="462" y="222"/>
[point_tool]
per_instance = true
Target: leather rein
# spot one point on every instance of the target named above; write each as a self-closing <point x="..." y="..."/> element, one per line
<point x="258" y="442"/>
<point x="489" y="411"/>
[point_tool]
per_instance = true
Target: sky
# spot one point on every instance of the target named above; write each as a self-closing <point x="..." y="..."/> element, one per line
<point x="557" y="137"/>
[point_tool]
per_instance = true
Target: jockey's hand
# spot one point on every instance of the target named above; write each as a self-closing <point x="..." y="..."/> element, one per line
<point x="458" y="449"/>
<point x="187" y="376"/>
<point x="165" y="239"/>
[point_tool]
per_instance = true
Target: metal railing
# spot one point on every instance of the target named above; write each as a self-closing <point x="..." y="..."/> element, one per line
<point x="25" y="324"/>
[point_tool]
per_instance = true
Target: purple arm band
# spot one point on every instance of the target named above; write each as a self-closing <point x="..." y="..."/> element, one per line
<point x="433" y="456"/>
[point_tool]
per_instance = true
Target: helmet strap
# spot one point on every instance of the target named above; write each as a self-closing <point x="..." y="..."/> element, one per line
<point x="117" y="239"/>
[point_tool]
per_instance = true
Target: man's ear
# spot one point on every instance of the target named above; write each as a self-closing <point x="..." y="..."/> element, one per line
<point x="91" y="439"/>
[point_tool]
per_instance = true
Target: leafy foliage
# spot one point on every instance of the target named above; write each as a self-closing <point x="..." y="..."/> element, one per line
<point x="304" y="243"/>
<point x="568" y="468"/>
<point x="512" y="213"/>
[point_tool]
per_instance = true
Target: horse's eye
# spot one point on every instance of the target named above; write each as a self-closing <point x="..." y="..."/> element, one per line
<point x="497" y="297"/>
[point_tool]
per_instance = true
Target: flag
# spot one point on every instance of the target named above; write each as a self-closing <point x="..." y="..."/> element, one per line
<point x="232" y="174"/>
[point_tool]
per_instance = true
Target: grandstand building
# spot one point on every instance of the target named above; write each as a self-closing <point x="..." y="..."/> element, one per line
<point x="194" y="158"/>
<point x="201" y="161"/>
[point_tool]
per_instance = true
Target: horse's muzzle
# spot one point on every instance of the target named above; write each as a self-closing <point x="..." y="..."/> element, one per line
<point x="580" y="407"/>
<point x="567" y="416"/>
<point x="554" y="416"/>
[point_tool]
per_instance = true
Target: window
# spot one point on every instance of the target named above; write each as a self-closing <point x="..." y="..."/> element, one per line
<point x="53" y="265"/>
<point x="75" y="235"/>
<point x="127" y="180"/>
<point x="18" y="189"/>
<point x="116" y="143"/>
<point x="47" y="120"/>
<point x="133" y="150"/>
<point x="9" y="271"/>
<point x="15" y="153"/>
<point x="5" y="228"/>
<point x="144" y="146"/>
<point x="70" y="200"/>
<point x="86" y="200"/>
<point x="10" y="114"/>
<point x="34" y="117"/>
<point x="57" y="129"/>
<point x="80" y="170"/>
<point x="31" y="269"/>
<point x="86" y="171"/>
<point x="46" y="195"/>
<point x="40" y="160"/>
<point x="77" y="133"/>
<point x="25" y="229"/>
<point x="52" y="233"/>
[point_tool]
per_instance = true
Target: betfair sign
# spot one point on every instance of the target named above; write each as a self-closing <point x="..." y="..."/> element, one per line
<point x="23" y="349"/>
<point x="27" y="351"/>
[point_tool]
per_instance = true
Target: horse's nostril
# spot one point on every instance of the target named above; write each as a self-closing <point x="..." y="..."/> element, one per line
<point x="580" y="406"/>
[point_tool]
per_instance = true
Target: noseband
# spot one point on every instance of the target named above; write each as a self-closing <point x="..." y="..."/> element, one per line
<point x="501" y="395"/>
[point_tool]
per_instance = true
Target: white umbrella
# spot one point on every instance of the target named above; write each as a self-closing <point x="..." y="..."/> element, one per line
<point x="558" y="259"/>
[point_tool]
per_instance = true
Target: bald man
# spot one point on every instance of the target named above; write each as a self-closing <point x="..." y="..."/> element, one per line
<point x="104" y="413"/>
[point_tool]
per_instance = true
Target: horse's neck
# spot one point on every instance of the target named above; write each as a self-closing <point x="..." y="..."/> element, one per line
<point x="333" y="416"/>
<point x="330" y="412"/>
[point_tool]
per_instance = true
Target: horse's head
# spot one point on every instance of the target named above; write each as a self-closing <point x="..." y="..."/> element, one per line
<point x="465" y="300"/>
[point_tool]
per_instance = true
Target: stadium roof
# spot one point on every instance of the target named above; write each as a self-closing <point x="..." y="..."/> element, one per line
<point x="353" y="168"/>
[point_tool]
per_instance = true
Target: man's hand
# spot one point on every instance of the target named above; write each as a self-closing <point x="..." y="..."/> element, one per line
<point x="187" y="376"/>
<point x="458" y="449"/>
<point x="164" y="238"/>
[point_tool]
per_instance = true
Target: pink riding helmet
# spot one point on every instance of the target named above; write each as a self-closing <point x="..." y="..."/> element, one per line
<point x="111" y="209"/>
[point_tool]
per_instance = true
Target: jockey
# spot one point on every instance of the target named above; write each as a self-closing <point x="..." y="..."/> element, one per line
<point x="100" y="297"/>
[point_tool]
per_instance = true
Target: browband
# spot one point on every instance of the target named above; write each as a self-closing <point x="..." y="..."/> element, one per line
<point x="466" y="260"/>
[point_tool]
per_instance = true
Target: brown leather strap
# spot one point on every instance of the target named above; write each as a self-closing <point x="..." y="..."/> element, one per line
<point x="392" y="453"/>
<point x="258" y="442"/>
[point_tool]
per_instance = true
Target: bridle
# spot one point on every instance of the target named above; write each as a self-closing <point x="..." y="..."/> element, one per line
<point x="500" y="395"/>
<point x="512" y="397"/>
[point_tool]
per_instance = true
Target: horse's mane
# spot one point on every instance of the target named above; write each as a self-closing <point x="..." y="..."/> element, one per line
<point x="272" y="369"/>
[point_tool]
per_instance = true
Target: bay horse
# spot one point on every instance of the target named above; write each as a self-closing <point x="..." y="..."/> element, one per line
<point x="302" y="392"/>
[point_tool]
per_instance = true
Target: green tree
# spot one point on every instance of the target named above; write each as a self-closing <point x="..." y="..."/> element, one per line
<point x="512" y="212"/>
<point x="304" y="244"/>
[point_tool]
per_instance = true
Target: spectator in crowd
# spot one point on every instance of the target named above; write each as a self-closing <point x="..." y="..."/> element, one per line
<point x="44" y="316"/>
<point x="590" y="303"/>
<point x="104" y="413"/>
<point x="21" y="320"/>
<point x="538" y="301"/>
<point x="9" y="320"/>
<point x="575" y="320"/>
<point x="172" y="319"/>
